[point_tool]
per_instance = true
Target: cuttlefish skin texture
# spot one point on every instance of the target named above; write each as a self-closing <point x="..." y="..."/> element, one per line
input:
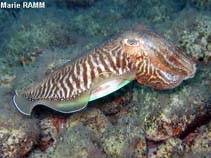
<point x="138" y="54"/>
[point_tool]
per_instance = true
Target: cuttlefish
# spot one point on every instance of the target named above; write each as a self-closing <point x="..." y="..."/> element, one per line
<point x="138" y="54"/>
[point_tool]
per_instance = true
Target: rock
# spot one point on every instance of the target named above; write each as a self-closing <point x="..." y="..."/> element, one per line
<point x="164" y="114"/>
<point x="7" y="17"/>
<point x="18" y="134"/>
<point x="78" y="141"/>
<point x="35" y="36"/>
<point x="202" y="143"/>
<point x="50" y="129"/>
<point x="193" y="34"/>
<point x="114" y="102"/>
<point x="196" y="40"/>
<point x="6" y="80"/>
<point x="14" y="142"/>
<point x="161" y="128"/>
<point x="124" y="141"/>
<point x="203" y="4"/>
<point x="180" y="110"/>
<point x="38" y="154"/>
<point x="54" y="129"/>
<point x="173" y="147"/>
<point x="76" y="135"/>
<point x="199" y="142"/>
<point x="93" y="119"/>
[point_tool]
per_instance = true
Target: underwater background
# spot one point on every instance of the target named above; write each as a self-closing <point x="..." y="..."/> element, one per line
<point x="134" y="122"/>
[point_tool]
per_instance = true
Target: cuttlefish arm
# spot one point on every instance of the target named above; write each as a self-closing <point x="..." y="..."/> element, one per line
<point x="138" y="54"/>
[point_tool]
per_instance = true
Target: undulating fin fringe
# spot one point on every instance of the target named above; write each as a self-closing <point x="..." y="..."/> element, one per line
<point x="25" y="106"/>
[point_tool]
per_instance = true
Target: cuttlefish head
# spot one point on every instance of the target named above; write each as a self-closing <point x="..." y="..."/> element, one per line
<point x="158" y="63"/>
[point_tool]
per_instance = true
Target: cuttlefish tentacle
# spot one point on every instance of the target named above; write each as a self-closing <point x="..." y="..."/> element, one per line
<point x="138" y="54"/>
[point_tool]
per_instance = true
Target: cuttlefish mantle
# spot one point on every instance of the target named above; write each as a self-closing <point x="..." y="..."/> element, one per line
<point x="135" y="55"/>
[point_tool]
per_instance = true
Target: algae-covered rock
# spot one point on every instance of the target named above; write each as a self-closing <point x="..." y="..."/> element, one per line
<point x="93" y="119"/>
<point x="50" y="128"/>
<point x="75" y="141"/>
<point x="15" y="142"/>
<point x="204" y="4"/>
<point x="124" y="141"/>
<point x="164" y="114"/>
<point x="173" y="147"/>
<point x="26" y="36"/>
<point x="180" y="108"/>
<point x="78" y="141"/>
<point x="197" y="39"/>
<point x="153" y="11"/>
<point x="192" y="34"/>
<point x="6" y="19"/>
<point x="18" y="134"/>
<point x="202" y="143"/>
<point x="54" y="128"/>
<point x="114" y="103"/>
<point x="7" y="76"/>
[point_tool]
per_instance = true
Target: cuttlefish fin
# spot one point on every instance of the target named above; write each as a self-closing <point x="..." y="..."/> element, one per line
<point x="26" y="106"/>
<point x="22" y="104"/>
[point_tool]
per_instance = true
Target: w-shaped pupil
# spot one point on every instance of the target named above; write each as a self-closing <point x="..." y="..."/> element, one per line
<point x="132" y="42"/>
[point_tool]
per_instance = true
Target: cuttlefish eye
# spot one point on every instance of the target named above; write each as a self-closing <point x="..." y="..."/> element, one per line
<point x="131" y="42"/>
